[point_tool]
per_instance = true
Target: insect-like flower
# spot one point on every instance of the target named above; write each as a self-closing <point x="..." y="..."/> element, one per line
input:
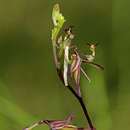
<point x="53" y="124"/>
<point x="76" y="68"/>
<point x="90" y="58"/>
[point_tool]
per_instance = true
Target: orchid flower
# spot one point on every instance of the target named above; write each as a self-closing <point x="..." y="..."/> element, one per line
<point x="53" y="124"/>
<point x="64" y="46"/>
<point x="76" y="68"/>
<point x="90" y="58"/>
<point x="68" y="38"/>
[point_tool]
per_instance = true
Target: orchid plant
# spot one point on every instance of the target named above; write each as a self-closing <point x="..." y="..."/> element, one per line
<point x="67" y="65"/>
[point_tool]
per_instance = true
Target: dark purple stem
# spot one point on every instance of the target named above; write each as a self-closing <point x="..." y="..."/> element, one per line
<point x="79" y="99"/>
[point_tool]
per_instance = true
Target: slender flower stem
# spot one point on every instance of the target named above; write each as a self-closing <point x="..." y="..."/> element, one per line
<point x="54" y="53"/>
<point x="78" y="98"/>
<point x="86" y="112"/>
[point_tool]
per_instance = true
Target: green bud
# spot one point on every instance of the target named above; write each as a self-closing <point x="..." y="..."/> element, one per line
<point x="58" y="21"/>
<point x="55" y="14"/>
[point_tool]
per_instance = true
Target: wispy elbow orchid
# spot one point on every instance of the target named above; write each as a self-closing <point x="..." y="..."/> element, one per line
<point x="64" y="65"/>
<point x="62" y="49"/>
<point x="76" y="68"/>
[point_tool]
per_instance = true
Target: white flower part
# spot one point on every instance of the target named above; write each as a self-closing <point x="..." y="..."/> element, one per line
<point x="66" y="59"/>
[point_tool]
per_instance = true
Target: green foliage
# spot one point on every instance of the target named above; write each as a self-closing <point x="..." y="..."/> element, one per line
<point x="16" y="114"/>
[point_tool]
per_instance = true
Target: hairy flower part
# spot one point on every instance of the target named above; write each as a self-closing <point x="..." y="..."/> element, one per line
<point x="53" y="124"/>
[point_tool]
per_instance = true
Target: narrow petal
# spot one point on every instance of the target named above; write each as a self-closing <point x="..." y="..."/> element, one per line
<point x="58" y="124"/>
<point x="71" y="127"/>
<point x="71" y="68"/>
<point x="77" y="59"/>
<point x="96" y="66"/>
<point x="35" y="125"/>
<point x="77" y="77"/>
<point x="93" y="64"/>
<point x="69" y="119"/>
<point x="85" y="74"/>
<point x="77" y="64"/>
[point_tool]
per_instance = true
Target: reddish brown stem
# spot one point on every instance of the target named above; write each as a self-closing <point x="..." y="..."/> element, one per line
<point x="78" y="98"/>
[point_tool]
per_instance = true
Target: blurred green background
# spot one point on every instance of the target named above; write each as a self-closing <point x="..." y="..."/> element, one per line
<point x="29" y="87"/>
